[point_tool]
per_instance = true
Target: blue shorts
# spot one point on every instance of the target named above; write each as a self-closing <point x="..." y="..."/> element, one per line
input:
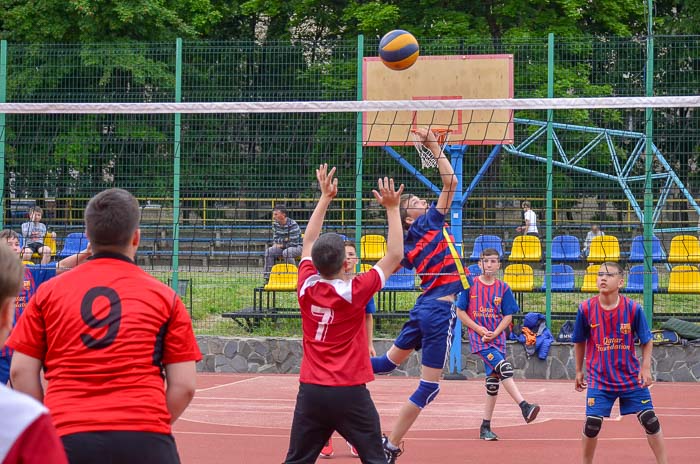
<point x="5" y="369"/>
<point x="429" y="327"/>
<point x="492" y="357"/>
<point x="600" y="402"/>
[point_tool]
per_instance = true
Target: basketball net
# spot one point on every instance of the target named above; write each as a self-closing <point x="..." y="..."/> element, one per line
<point x="427" y="159"/>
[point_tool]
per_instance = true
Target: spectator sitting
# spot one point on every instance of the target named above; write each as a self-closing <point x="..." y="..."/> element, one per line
<point x="286" y="240"/>
<point x="594" y="232"/>
<point x="34" y="232"/>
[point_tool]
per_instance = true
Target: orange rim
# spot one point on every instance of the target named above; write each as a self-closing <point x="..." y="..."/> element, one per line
<point x="441" y="134"/>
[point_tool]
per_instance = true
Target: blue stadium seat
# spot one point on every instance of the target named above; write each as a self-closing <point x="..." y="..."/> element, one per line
<point x="474" y="270"/>
<point x="403" y="279"/>
<point x="563" y="279"/>
<point x="486" y="241"/>
<point x="635" y="279"/>
<point x="637" y="250"/>
<point x="73" y="243"/>
<point x="566" y="248"/>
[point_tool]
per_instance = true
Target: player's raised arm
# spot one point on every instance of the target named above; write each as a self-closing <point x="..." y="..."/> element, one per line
<point x="390" y="199"/>
<point x="447" y="173"/>
<point x="329" y="189"/>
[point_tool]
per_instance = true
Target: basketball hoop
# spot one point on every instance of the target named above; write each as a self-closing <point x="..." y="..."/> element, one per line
<point x="427" y="159"/>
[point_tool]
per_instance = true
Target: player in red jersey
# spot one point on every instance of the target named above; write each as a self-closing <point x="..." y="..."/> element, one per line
<point x="604" y="332"/>
<point x="336" y="367"/>
<point x="108" y="335"/>
<point x="27" y="436"/>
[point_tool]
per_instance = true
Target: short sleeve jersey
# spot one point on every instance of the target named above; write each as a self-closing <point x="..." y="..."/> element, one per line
<point x="33" y="277"/>
<point x="333" y="324"/>
<point x="33" y="232"/>
<point x="426" y="251"/>
<point x="487" y="305"/>
<point x="611" y="361"/>
<point x="104" y="332"/>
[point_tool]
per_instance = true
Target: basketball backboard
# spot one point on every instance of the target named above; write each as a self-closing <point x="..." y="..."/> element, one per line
<point x="439" y="78"/>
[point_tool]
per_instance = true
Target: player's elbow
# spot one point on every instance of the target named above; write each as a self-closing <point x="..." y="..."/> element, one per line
<point x="449" y="181"/>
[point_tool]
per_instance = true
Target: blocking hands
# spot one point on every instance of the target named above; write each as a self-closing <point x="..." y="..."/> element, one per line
<point x="326" y="182"/>
<point x="386" y="195"/>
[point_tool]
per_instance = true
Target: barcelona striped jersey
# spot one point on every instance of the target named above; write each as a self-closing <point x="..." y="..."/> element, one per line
<point x="611" y="361"/>
<point x="487" y="304"/>
<point x="427" y="251"/>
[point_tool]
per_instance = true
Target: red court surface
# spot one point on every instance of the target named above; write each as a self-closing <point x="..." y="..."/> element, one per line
<point x="245" y="418"/>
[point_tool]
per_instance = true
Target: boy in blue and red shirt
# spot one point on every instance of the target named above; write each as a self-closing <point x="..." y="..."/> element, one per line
<point x="604" y="332"/>
<point x="486" y="309"/>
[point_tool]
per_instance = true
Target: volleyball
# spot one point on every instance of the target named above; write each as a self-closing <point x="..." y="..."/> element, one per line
<point x="398" y="50"/>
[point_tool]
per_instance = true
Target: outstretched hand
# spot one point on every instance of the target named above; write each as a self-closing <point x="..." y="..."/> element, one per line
<point x="427" y="137"/>
<point x="326" y="181"/>
<point x="387" y="196"/>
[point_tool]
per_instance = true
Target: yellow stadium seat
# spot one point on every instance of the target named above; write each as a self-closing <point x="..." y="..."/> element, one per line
<point x="365" y="267"/>
<point x="526" y="248"/>
<point x="282" y="277"/>
<point x="520" y="277"/>
<point x="604" y="248"/>
<point x="50" y="242"/>
<point x="372" y="247"/>
<point x="590" y="278"/>
<point x="684" y="278"/>
<point x="684" y="249"/>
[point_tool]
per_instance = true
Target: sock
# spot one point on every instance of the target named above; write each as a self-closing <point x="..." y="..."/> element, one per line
<point x="485" y="424"/>
<point x="391" y="446"/>
<point x="382" y="364"/>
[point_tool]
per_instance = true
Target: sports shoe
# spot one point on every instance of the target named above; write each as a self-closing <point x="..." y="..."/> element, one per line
<point x="530" y="412"/>
<point x="486" y="434"/>
<point x="353" y="451"/>
<point x="391" y="454"/>
<point x="327" y="451"/>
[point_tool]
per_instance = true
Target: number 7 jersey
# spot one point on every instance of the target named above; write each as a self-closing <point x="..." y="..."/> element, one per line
<point x="103" y="332"/>
<point x="335" y="341"/>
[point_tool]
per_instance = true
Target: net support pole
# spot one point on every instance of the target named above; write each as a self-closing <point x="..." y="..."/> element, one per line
<point x="358" y="146"/>
<point x="3" y="97"/>
<point x="648" y="167"/>
<point x="550" y="184"/>
<point x="176" y="168"/>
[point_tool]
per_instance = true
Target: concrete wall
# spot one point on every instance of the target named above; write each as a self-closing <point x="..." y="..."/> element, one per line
<point x="283" y="356"/>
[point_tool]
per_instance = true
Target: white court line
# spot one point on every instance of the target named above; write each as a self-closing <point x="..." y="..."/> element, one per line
<point x="199" y="390"/>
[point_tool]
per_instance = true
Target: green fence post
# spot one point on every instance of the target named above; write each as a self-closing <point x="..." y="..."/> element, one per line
<point x="648" y="166"/>
<point x="358" y="147"/>
<point x="176" y="168"/>
<point x="550" y="184"/>
<point x="3" y="98"/>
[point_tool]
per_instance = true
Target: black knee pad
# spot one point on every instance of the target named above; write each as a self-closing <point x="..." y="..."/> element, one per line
<point x="649" y="421"/>
<point x="492" y="386"/>
<point x="504" y="370"/>
<point x="593" y="425"/>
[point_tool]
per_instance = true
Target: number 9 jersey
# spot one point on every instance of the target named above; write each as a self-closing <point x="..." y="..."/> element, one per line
<point x="104" y="332"/>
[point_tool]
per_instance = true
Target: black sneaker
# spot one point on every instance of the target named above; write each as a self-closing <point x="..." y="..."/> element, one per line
<point x="486" y="434"/>
<point x="530" y="412"/>
<point x="391" y="454"/>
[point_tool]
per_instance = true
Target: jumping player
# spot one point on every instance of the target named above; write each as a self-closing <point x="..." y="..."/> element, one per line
<point x="335" y="367"/>
<point x="428" y="247"/>
<point x="604" y="332"/>
<point x="486" y="309"/>
<point x="116" y="344"/>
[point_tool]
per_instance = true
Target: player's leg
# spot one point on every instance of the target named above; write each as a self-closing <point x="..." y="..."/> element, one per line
<point x="639" y="402"/>
<point x="408" y="340"/>
<point x="312" y="423"/>
<point x="360" y="425"/>
<point x="45" y="253"/>
<point x="120" y="446"/>
<point x="598" y="406"/>
<point x="504" y="370"/>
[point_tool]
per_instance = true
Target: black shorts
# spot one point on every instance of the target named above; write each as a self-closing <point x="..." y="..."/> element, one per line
<point x="34" y="246"/>
<point x="320" y="410"/>
<point x="120" y="447"/>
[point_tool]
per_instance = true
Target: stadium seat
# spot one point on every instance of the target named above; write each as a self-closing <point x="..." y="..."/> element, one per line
<point x="372" y="247"/>
<point x="684" y="249"/>
<point x="590" y="278"/>
<point x="526" y="248"/>
<point x="403" y="279"/>
<point x="50" y="242"/>
<point x="635" y="279"/>
<point x="520" y="277"/>
<point x="365" y="267"/>
<point x="684" y="278"/>
<point x="563" y="278"/>
<point x="474" y="270"/>
<point x="604" y="248"/>
<point x="566" y="248"/>
<point x="74" y="243"/>
<point x="637" y="250"/>
<point x="282" y="277"/>
<point x="486" y="241"/>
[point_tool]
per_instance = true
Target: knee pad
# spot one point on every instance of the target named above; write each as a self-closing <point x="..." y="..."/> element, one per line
<point x="382" y="364"/>
<point x="504" y="370"/>
<point x="425" y="393"/>
<point x="593" y="425"/>
<point x="492" y="386"/>
<point x="649" y="421"/>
